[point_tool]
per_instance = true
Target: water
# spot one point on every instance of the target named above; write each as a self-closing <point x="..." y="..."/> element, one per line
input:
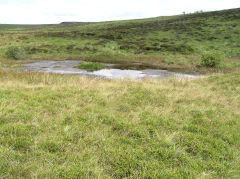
<point x="67" y="67"/>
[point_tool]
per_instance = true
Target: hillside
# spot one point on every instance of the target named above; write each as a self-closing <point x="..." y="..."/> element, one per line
<point x="174" y="41"/>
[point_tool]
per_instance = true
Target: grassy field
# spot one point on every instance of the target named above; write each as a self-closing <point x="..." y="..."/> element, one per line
<point x="54" y="126"/>
<point x="174" y="42"/>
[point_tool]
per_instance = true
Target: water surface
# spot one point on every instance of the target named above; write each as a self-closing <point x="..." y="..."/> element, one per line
<point x="68" y="67"/>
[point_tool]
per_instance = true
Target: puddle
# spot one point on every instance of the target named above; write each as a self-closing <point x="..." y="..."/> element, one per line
<point x="67" y="67"/>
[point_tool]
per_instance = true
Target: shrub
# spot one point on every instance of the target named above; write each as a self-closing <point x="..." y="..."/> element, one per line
<point x="15" y="53"/>
<point x="212" y="58"/>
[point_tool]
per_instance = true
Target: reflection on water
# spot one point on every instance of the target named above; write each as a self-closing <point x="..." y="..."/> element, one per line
<point x="67" y="67"/>
<point x="117" y="73"/>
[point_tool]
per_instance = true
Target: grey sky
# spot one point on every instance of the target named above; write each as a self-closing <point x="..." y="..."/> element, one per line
<point x="55" y="11"/>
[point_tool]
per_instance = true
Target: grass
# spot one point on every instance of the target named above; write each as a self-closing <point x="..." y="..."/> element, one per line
<point x="174" y="42"/>
<point x="90" y="66"/>
<point x="55" y="126"/>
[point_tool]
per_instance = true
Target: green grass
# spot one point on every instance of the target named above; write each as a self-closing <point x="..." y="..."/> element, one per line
<point x="12" y="26"/>
<point x="55" y="126"/>
<point x="174" y="42"/>
<point x="90" y="66"/>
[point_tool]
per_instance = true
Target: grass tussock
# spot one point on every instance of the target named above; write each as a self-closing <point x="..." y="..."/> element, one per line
<point x="90" y="66"/>
<point x="54" y="126"/>
<point x="15" y="53"/>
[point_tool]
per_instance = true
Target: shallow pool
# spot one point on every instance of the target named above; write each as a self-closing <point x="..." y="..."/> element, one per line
<point x="68" y="67"/>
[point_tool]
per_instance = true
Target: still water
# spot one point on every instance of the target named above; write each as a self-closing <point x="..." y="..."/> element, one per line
<point x="112" y="72"/>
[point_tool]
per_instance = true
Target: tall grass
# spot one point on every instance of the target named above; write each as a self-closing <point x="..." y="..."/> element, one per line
<point x="54" y="126"/>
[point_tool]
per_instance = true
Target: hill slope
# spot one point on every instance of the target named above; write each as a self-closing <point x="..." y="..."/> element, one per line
<point x="173" y="40"/>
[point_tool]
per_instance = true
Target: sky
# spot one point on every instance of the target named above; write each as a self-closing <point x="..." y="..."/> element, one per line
<point x="56" y="11"/>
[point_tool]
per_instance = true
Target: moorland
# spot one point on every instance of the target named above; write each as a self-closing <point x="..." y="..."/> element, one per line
<point x="72" y="126"/>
